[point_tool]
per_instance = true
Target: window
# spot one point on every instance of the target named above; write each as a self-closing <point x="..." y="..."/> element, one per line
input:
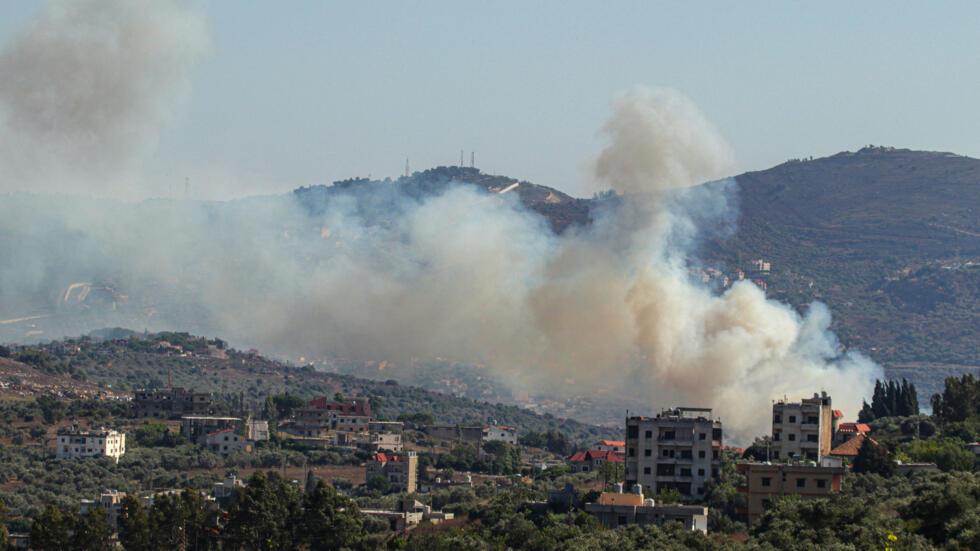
<point x="792" y="418"/>
<point x="714" y="472"/>
<point x="776" y="436"/>
<point x="812" y="420"/>
<point x="646" y="470"/>
<point x="766" y="481"/>
<point x="647" y="452"/>
<point x="777" y="418"/>
<point x="792" y="438"/>
<point x="811" y="438"/>
<point x="701" y="454"/>
<point x="667" y="435"/>
<point x="821" y="483"/>
<point x="664" y="469"/>
<point x="685" y="471"/>
<point x="633" y="432"/>
<point x="714" y="454"/>
<point x="700" y="472"/>
<point x="649" y="434"/>
<point x="621" y="520"/>
<point x="685" y="454"/>
<point x="775" y="455"/>
<point x="801" y="483"/>
<point x="702" y="436"/>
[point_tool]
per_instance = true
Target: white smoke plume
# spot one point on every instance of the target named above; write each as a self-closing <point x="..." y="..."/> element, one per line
<point x="381" y="274"/>
<point x="87" y="88"/>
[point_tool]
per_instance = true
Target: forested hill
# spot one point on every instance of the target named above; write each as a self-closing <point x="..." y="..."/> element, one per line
<point x="80" y="367"/>
<point x="889" y="238"/>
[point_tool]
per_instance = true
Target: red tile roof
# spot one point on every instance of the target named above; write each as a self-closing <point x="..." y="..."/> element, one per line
<point x="861" y="428"/>
<point x="619" y="443"/>
<point x="381" y="457"/>
<point x="838" y="414"/>
<point x="591" y="455"/>
<point x="851" y="447"/>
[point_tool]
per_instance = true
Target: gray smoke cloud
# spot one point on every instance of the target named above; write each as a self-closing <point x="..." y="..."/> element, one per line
<point x="380" y="274"/>
<point x="87" y="88"/>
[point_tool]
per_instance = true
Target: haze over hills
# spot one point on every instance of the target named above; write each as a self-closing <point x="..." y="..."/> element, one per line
<point x="888" y="238"/>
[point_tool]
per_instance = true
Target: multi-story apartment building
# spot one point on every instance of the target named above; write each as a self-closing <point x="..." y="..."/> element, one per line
<point x="169" y="403"/>
<point x="74" y="444"/>
<point x="802" y="430"/>
<point x="764" y="481"/>
<point x="401" y="471"/>
<point x="680" y="448"/>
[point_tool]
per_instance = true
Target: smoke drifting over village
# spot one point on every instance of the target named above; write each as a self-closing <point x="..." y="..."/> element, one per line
<point x="461" y="274"/>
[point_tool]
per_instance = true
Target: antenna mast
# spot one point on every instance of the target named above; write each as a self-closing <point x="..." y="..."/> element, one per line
<point x="472" y="159"/>
<point x="461" y="158"/>
<point x="406" y="167"/>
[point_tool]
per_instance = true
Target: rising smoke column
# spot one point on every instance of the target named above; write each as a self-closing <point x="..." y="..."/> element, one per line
<point x="87" y="88"/>
<point x="461" y="274"/>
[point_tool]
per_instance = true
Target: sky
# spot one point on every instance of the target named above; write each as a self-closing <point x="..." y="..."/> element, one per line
<point x="300" y="93"/>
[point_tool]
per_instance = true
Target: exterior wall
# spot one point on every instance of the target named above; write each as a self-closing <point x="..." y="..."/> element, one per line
<point x="610" y="448"/>
<point x="614" y="516"/>
<point x="764" y="481"/>
<point x="225" y="442"/>
<point x="80" y="445"/>
<point x="673" y="450"/>
<point x="258" y="431"/>
<point x="196" y="429"/>
<point x="455" y="433"/>
<point x="170" y="403"/>
<point x="402" y="475"/>
<point x="494" y="433"/>
<point x="802" y="430"/>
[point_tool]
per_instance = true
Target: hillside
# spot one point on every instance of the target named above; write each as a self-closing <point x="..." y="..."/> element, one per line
<point x="84" y="367"/>
<point x="889" y="238"/>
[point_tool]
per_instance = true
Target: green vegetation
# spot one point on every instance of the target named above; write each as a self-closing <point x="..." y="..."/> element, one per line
<point x="891" y="399"/>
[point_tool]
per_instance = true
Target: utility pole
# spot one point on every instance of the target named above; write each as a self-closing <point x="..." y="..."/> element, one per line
<point x="472" y="159"/>
<point x="461" y="158"/>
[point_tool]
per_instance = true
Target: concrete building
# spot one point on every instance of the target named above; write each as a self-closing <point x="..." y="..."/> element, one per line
<point x="802" y="430"/>
<point x="110" y="501"/>
<point x="383" y="441"/>
<point x="227" y="487"/>
<point x="257" y="431"/>
<point x="196" y="428"/>
<point x="765" y="481"/>
<point x="408" y="514"/>
<point x="385" y="426"/>
<point x="680" y="448"/>
<point x="401" y="471"/>
<point x="171" y="403"/>
<point x="226" y="442"/>
<point x="615" y="509"/>
<point x="74" y="444"/>
<point x="592" y="460"/>
<point x="500" y="433"/>
<point x="618" y="446"/>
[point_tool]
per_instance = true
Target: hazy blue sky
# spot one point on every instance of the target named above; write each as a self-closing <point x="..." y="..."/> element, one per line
<point x="294" y="93"/>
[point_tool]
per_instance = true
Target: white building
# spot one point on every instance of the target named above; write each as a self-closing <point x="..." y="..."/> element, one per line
<point x="73" y="444"/>
<point x="500" y="433"/>
<point x="257" y="431"/>
<point x="804" y="429"/>
<point x="226" y="442"/>
<point x="680" y="448"/>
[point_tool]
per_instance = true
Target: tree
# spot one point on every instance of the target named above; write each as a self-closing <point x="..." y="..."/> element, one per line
<point x="378" y="484"/>
<point x="286" y="403"/>
<point x="4" y="534"/>
<point x="92" y="532"/>
<point x="949" y="454"/>
<point x="959" y="401"/>
<point x="611" y="472"/>
<point x="873" y="458"/>
<point x="329" y="520"/>
<point x="51" y="530"/>
<point x="260" y="516"/>
<point x="52" y="409"/>
<point x="134" y="525"/>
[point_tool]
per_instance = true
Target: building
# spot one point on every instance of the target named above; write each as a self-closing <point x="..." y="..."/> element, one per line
<point x="618" y="446"/>
<point x="227" y="487"/>
<point x="847" y="431"/>
<point x="110" y="501"/>
<point x="909" y="468"/>
<point x="401" y="471"/>
<point x="226" y="442"/>
<point x="197" y="428"/>
<point x="383" y="441"/>
<point x="849" y="448"/>
<point x="680" y="448"/>
<point x="974" y="447"/>
<point x="765" y="481"/>
<point x="802" y="430"/>
<point x="500" y="433"/>
<point x="592" y="460"/>
<point x="386" y="426"/>
<point x="74" y="444"/>
<point x="408" y="514"/>
<point x="615" y="509"/>
<point x="257" y="431"/>
<point x="322" y="416"/>
<point x="171" y="403"/>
